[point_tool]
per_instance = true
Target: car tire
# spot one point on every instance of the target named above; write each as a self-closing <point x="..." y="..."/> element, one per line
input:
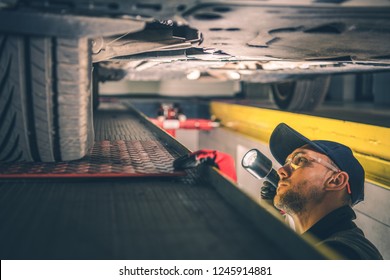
<point x="302" y="95"/>
<point x="45" y="98"/>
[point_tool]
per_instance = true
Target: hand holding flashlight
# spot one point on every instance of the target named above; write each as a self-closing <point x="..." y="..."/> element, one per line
<point x="268" y="191"/>
<point x="260" y="166"/>
<point x="257" y="164"/>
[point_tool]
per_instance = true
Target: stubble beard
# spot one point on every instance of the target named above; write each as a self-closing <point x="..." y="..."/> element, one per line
<point x="293" y="202"/>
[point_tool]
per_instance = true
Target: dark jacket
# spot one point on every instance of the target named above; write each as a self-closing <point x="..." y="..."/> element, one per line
<point x="337" y="231"/>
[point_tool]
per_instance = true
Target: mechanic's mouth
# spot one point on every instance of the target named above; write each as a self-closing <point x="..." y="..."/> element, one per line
<point x="281" y="184"/>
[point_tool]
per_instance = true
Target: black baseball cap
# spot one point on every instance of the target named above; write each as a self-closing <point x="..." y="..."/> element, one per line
<point x="284" y="140"/>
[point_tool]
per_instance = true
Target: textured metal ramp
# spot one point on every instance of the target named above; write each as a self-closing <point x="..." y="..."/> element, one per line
<point x="120" y="158"/>
<point x="123" y="149"/>
<point x="154" y="219"/>
<point x="182" y="217"/>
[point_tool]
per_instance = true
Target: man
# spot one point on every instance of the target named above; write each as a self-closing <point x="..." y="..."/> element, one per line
<point x="319" y="183"/>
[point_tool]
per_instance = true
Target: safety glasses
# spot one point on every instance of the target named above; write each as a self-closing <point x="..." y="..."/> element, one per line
<point x="300" y="160"/>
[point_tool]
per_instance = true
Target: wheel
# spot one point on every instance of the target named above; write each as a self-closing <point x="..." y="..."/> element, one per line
<point x="45" y="98"/>
<point x="302" y="95"/>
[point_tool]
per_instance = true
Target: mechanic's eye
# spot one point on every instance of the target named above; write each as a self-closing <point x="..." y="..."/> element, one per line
<point x="299" y="160"/>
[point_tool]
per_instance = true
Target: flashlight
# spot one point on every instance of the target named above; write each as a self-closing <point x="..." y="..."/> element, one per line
<point x="257" y="164"/>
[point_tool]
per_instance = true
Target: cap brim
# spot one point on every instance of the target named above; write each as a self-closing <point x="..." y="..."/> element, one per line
<point x="284" y="140"/>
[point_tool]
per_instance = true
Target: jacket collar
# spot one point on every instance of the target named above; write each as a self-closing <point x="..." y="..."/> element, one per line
<point x="337" y="220"/>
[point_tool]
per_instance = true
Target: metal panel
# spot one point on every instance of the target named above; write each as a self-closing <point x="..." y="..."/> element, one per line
<point x="65" y="26"/>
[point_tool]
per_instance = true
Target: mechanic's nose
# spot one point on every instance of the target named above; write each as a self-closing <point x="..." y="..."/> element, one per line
<point x="284" y="171"/>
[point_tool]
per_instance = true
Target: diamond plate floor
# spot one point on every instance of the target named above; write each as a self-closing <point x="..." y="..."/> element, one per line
<point x="123" y="148"/>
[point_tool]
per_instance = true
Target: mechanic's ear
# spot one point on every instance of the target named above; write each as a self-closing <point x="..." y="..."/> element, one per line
<point x="338" y="181"/>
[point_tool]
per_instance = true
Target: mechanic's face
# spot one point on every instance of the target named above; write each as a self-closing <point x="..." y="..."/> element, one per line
<point x="302" y="180"/>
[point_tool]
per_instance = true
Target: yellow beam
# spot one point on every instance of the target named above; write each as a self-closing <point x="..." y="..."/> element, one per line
<point x="371" y="144"/>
